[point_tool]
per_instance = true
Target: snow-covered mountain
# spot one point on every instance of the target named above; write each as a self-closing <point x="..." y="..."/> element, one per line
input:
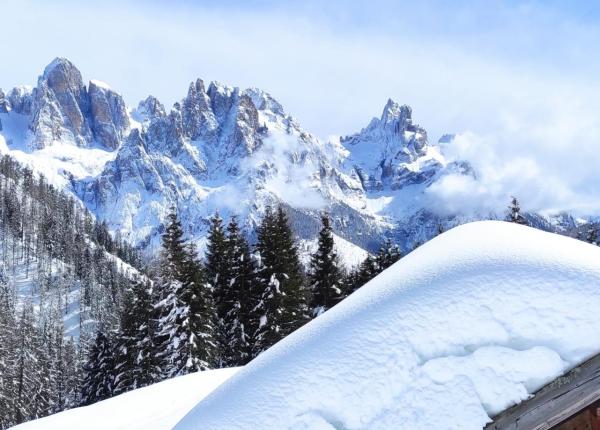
<point x="229" y="150"/>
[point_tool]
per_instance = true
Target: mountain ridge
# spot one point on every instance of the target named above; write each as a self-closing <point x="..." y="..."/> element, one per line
<point x="235" y="151"/>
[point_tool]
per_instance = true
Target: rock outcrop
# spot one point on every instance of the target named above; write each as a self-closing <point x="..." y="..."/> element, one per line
<point x="64" y="110"/>
<point x="110" y="121"/>
<point x="387" y="149"/>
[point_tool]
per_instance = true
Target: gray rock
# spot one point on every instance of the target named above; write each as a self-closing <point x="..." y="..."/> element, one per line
<point x="198" y="119"/>
<point x="3" y="102"/>
<point x="110" y="122"/>
<point x="392" y="141"/>
<point x="20" y="100"/>
<point x="150" y="109"/>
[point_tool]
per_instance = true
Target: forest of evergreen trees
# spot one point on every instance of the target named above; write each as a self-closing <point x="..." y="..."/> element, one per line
<point x="222" y="311"/>
<point x="56" y="263"/>
<point x="132" y="324"/>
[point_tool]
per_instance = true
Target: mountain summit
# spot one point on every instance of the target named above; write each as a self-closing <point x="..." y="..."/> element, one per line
<point x="230" y="150"/>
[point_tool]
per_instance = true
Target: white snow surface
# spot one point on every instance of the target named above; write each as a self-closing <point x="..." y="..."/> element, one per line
<point x="465" y="326"/>
<point x="157" y="407"/>
<point x="349" y="254"/>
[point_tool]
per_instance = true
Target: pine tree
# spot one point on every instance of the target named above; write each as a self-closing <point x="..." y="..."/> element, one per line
<point x="325" y="274"/>
<point x="135" y="365"/>
<point x="592" y="234"/>
<point x="70" y="376"/>
<point x="218" y="278"/>
<point x="367" y="270"/>
<point x="8" y="354"/>
<point x="282" y="307"/>
<point x="99" y="378"/>
<point x="30" y="396"/>
<point x="388" y="255"/>
<point x="238" y="324"/>
<point x="199" y="296"/>
<point x="183" y="334"/>
<point x="514" y="212"/>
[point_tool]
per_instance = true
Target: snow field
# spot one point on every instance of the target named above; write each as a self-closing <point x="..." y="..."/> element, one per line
<point x="157" y="407"/>
<point x="467" y="325"/>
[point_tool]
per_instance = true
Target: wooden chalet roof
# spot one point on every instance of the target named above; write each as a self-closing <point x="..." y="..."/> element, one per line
<point x="554" y="403"/>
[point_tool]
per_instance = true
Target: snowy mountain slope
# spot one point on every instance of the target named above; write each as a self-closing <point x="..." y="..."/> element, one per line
<point x="471" y="322"/>
<point x="349" y="254"/>
<point x="157" y="407"/>
<point x="227" y="149"/>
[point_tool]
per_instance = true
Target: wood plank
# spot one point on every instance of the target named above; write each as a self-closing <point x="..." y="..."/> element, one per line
<point x="554" y="403"/>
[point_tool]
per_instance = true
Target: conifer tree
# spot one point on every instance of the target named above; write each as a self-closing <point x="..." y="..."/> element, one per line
<point x="8" y="356"/>
<point x="199" y="296"/>
<point x="30" y="396"/>
<point x="98" y="381"/>
<point x="218" y="278"/>
<point x="183" y="334"/>
<point x="136" y="364"/>
<point x="388" y="254"/>
<point x="325" y="274"/>
<point x="367" y="270"/>
<point x="592" y="234"/>
<point x="70" y="378"/>
<point x="238" y="324"/>
<point x="514" y="212"/>
<point x="282" y="307"/>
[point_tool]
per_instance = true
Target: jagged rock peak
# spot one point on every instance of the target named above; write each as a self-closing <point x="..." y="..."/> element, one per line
<point x="393" y="111"/>
<point x="3" y="102"/>
<point x="264" y="101"/>
<point x="20" y="99"/>
<point x="110" y="121"/>
<point x="62" y="75"/>
<point x="64" y="110"/>
<point x="150" y="108"/>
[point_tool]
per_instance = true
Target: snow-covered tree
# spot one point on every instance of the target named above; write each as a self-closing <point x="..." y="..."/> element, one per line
<point x="238" y="322"/>
<point x="135" y="361"/>
<point x="282" y="306"/>
<point x="325" y="274"/>
<point x="372" y="266"/>
<point x="184" y="336"/>
<point x="218" y="273"/>
<point x="592" y="234"/>
<point x="514" y="212"/>
<point x="99" y="371"/>
<point x="388" y="254"/>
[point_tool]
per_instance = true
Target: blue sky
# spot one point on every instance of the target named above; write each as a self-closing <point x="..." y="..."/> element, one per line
<point x="522" y="77"/>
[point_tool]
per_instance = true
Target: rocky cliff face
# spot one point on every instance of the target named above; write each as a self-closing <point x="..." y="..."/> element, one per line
<point x="232" y="150"/>
<point x="400" y="154"/>
<point x="110" y="121"/>
<point x="64" y="110"/>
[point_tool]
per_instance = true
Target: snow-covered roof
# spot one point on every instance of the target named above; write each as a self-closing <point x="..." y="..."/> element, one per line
<point x="467" y="325"/>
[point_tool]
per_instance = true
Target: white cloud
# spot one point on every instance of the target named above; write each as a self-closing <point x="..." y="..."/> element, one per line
<point x="290" y="181"/>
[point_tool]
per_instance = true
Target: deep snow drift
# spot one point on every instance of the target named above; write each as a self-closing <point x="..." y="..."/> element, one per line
<point x="157" y="407"/>
<point x="467" y="325"/>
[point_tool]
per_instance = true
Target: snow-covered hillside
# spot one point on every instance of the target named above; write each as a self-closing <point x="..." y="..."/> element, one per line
<point x="465" y="326"/>
<point x="157" y="407"/>
<point x="232" y="150"/>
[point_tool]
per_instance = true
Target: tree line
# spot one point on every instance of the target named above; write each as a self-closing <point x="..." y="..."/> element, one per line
<point x="57" y="264"/>
<point x="224" y="310"/>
